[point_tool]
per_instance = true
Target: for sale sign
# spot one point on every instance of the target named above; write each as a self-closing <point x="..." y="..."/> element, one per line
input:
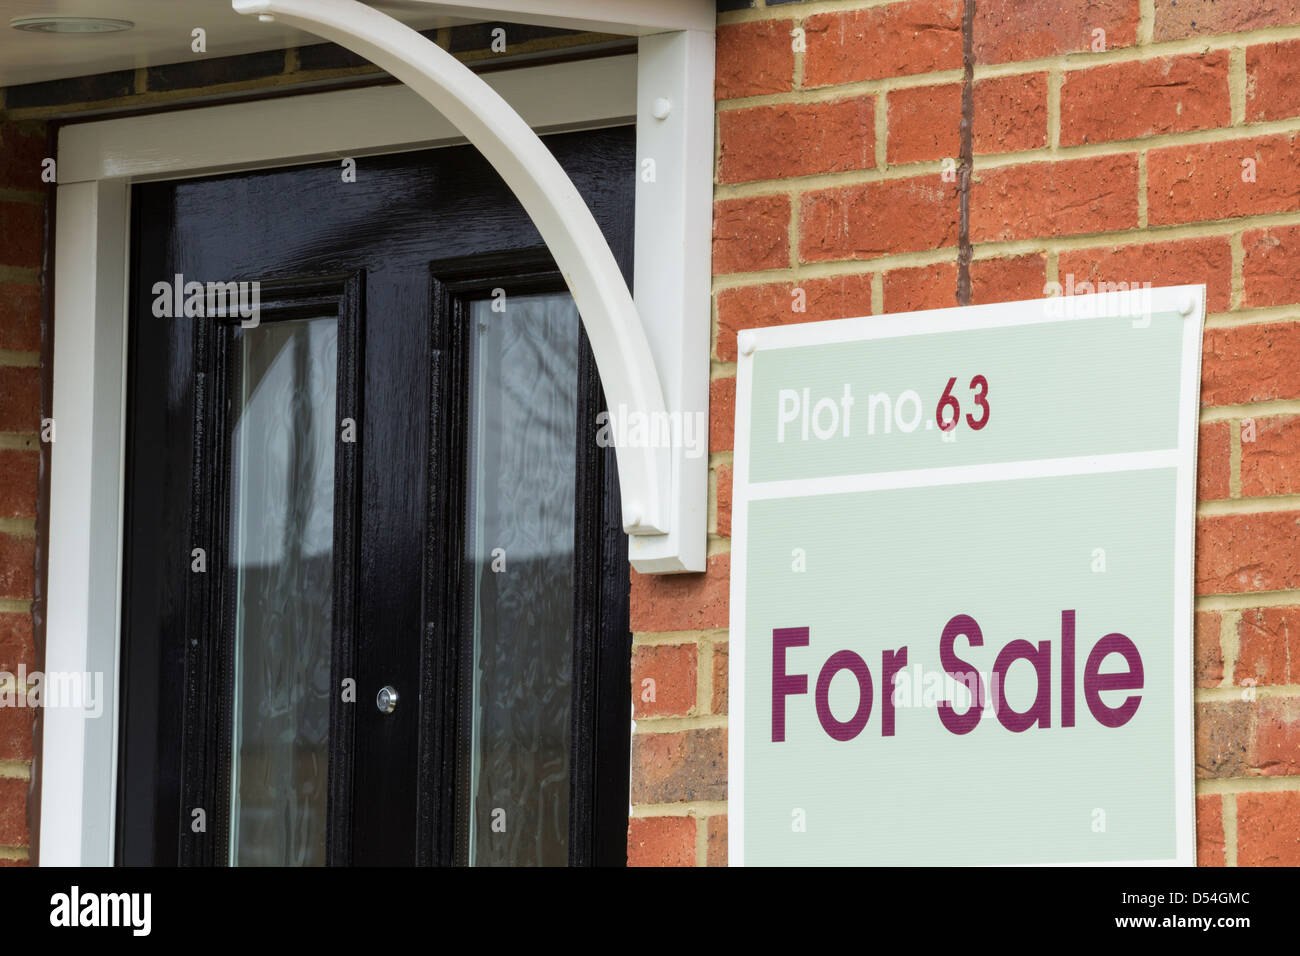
<point x="961" y="595"/>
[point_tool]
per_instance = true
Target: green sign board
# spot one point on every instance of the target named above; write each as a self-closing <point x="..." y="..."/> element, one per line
<point x="961" y="595"/>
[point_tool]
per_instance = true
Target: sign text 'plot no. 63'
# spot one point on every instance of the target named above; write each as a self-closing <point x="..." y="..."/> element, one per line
<point x="961" y="597"/>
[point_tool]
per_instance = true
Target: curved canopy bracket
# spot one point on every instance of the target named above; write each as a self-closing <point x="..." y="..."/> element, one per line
<point x="662" y="467"/>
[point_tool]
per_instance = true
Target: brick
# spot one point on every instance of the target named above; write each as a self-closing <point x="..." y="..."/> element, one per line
<point x="753" y="58"/>
<point x="1209" y="830"/>
<point x="1185" y="18"/>
<point x="1209" y="649"/>
<point x="197" y="73"/>
<point x="1189" y="262"/>
<point x="1270" y="465"/>
<point x="16" y="736"/>
<point x="661" y="841"/>
<point x="16" y="644"/>
<point x="924" y="123"/>
<point x="751" y="234"/>
<point x="717" y="855"/>
<point x="682" y="602"/>
<point x="21" y="224"/>
<point x="796" y="139"/>
<point x="1271" y="88"/>
<point x="1223" y="739"/>
<point x="722" y="476"/>
<point x="663" y="680"/>
<point x="1010" y="113"/>
<point x="761" y="306"/>
<point x="1195" y="183"/>
<point x="900" y="39"/>
<point x="722" y="414"/>
<point x="924" y="287"/>
<point x="1145" y="98"/>
<point x="17" y="564"/>
<point x="1277" y="738"/>
<point x="1213" y="461"/>
<point x="13" y="812"/>
<point x="94" y="88"/>
<point x="330" y="56"/>
<point x="18" y="483"/>
<point x="720" y="678"/>
<point x="20" y="317"/>
<point x="22" y="150"/>
<point x="1250" y="552"/>
<point x="1054" y="199"/>
<point x="1268" y="641"/>
<point x="1268" y="828"/>
<point x="679" y="767"/>
<point x="1236" y="739"/>
<point x="876" y="219"/>
<point x="20" y="399"/>
<point x="1007" y="30"/>
<point x="1008" y="279"/>
<point x="1250" y="363"/>
<point x="1270" y="265"/>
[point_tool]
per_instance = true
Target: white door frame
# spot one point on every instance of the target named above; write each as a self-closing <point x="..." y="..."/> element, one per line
<point x="97" y="163"/>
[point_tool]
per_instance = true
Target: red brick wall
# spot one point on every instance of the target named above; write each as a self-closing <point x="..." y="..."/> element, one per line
<point x="1114" y="157"/>
<point x="22" y="215"/>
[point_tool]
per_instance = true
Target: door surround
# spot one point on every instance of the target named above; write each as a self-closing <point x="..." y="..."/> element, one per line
<point x="98" y="162"/>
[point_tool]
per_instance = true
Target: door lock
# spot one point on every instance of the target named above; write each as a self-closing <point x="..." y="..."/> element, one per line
<point x="386" y="699"/>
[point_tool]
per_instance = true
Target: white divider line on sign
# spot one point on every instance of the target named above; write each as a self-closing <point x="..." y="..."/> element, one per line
<point x="965" y="474"/>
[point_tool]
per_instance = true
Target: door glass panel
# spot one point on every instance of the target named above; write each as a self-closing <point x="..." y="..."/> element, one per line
<point x="523" y="433"/>
<point x="282" y="544"/>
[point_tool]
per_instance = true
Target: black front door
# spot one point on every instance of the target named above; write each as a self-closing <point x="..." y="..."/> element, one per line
<point x="375" y="599"/>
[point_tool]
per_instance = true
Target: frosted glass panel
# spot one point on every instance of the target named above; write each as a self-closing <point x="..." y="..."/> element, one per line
<point x="523" y="436"/>
<point x="282" y="534"/>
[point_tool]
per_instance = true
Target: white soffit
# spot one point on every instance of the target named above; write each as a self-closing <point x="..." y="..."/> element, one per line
<point x="162" y="35"/>
<point x="162" y="32"/>
<point x="632" y="17"/>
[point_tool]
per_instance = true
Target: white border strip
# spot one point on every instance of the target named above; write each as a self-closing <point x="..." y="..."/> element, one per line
<point x="970" y="318"/>
<point x="964" y="474"/>
<point x="1189" y="407"/>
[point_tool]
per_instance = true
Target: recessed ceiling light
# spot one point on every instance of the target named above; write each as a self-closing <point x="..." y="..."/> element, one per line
<point x="70" y="24"/>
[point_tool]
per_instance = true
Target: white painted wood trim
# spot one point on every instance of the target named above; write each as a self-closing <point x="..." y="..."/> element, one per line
<point x="298" y="129"/>
<point x="78" y="758"/>
<point x="673" y="274"/>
